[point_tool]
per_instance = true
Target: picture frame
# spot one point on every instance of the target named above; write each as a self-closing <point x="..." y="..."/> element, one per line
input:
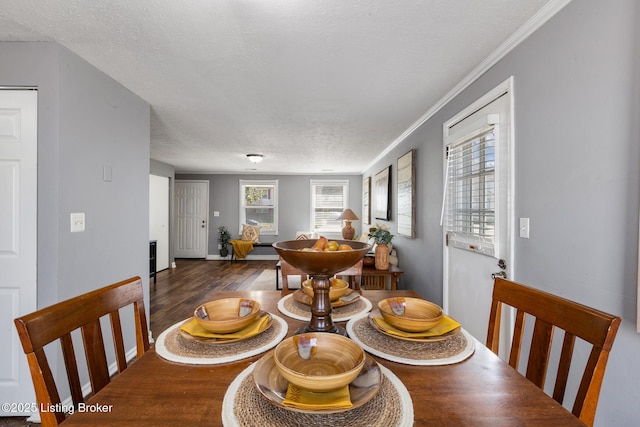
<point x="366" y="201"/>
<point x="406" y="194"/>
<point x="382" y="183"/>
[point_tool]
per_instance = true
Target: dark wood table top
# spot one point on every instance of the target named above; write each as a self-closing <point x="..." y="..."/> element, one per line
<point x="482" y="390"/>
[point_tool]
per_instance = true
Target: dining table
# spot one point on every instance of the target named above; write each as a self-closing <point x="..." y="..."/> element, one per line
<point x="482" y="389"/>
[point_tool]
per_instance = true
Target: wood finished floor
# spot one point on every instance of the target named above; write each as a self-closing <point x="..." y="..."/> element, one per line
<point x="179" y="291"/>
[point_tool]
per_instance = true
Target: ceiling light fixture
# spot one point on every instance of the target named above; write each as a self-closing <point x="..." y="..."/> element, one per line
<point x="255" y="158"/>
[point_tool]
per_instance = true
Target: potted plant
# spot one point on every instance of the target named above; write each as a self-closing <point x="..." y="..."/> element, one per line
<point x="382" y="238"/>
<point x="223" y="238"/>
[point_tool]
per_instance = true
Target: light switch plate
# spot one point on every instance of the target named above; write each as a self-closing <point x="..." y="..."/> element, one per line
<point x="77" y="222"/>
<point x="524" y="228"/>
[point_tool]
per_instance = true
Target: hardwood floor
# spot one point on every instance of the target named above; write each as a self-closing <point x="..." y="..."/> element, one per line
<point x="180" y="290"/>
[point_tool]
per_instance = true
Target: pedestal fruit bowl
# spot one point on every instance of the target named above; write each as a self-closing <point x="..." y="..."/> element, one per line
<point x="321" y="265"/>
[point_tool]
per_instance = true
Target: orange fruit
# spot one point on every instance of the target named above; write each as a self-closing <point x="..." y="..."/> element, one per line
<point x="344" y="247"/>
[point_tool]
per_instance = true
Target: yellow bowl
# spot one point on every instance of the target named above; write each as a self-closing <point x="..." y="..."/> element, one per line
<point x="227" y="315"/>
<point x="410" y="314"/>
<point x="319" y="361"/>
<point x="338" y="288"/>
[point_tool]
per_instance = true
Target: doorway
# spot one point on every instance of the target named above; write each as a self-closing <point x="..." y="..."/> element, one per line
<point x="192" y="218"/>
<point x="159" y="218"/>
<point x="478" y="207"/>
<point x="18" y="239"/>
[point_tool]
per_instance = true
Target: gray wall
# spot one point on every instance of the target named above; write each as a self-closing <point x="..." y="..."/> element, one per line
<point x="85" y="121"/>
<point x="294" y="199"/>
<point x="577" y="173"/>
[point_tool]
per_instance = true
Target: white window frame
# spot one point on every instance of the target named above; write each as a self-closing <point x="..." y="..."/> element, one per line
<point x="335" y="227"/>
<point x="274" y="205"/>
<point x="475" y="240"/>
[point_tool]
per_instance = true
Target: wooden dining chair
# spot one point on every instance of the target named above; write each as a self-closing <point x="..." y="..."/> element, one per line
<point x="83" y="312"/>
<point x="287" y="270"/>
<point x="550" y="312"/>
<point x="355" y="271"/>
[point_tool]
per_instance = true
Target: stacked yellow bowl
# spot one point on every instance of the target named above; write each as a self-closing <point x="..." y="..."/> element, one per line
<point x="410" y="314"/>
<point x="319" y="361"/>
<point x="227" y="315"/>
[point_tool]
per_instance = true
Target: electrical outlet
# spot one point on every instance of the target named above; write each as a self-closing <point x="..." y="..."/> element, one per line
<point x="77" y="222"/>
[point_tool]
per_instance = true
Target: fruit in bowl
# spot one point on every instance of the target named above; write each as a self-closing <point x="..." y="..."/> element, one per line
<point x="338" y="288"/>
<point x="319" y="361"/>
<point x="227" y="315"/>
<point x="410" y="314"/>
<point x="307" y="256"/>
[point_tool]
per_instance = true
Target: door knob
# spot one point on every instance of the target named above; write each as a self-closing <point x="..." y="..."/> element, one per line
<point x="502" y="274"/>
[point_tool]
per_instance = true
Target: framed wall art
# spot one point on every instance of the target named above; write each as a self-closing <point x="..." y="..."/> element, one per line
<point x="406" y="195"/>
<point x="382" y="183"/>
<point x="366" y="201"/>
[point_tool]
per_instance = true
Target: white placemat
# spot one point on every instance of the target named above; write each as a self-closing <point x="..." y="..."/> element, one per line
<point x="399" y="347"/>
<point x="212" y="359"/>
<point x="335" y="313"/>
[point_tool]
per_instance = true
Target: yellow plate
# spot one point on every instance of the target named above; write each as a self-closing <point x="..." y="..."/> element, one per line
<point x="374" y="325"/>
<point x="203" y="340"/>
<point x="273" y="386"/>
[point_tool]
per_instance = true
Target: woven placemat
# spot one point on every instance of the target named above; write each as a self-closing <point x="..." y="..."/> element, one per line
<point x="243" y="405"/>
<point x="445" y="352"/>
<point x="299" y="311"/>
<point x="172" y="346"/>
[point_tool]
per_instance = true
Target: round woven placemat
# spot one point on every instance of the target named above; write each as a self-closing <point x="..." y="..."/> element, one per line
<point x="172" y="346"/>
<point x="243" y="405"/>
<point x="445" y="352"/>
<point x="299" y="311"/>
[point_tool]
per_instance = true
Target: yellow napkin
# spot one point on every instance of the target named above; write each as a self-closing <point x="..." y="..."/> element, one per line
<point x="254" y="328"/>
<point x="447" y="324"/>
<point x="305" y="399"/>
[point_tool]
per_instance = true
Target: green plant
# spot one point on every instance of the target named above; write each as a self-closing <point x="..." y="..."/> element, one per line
<point x="223" y="236"/>
<point x="380" y="234"/>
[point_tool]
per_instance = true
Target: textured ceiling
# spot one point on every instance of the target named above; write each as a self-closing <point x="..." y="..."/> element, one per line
<point x="315" y="86"/>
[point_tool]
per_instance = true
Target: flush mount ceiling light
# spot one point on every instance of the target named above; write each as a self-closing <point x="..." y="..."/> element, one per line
<point x="255" y="158"/>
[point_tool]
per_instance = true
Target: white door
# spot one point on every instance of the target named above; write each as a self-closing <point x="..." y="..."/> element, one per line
<point x="18" y="240"/>
<point x="477" y="212"/>
<point x="159" y="218"/>
<point x="192" y="207"/>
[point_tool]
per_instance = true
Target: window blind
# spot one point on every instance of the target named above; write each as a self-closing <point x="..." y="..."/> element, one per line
<point x="470" y="197"/>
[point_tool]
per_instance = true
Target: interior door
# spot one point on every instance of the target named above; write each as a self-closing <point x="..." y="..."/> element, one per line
<point x="192" y="220"/>
<point x="18" y="241"/>
<point x="159" y="218"/>
<point x="478" y="208"/>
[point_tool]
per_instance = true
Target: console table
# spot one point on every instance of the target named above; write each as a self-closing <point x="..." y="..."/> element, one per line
<point x="377" y="279"/>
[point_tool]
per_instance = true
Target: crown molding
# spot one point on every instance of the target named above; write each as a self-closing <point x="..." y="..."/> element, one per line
<point x="531" y="26"/>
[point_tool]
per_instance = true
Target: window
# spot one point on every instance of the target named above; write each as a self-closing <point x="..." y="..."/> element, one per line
<point x="259" y="205"/>
<point x="328" y="200"/>
<point x="470" y="192"/>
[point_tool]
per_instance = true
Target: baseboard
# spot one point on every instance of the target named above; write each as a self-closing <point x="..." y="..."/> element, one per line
<point x="249" y="257"/>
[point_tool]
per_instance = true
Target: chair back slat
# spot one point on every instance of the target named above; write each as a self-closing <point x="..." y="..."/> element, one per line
<point x="550" y="312"/>
<point x="118" y="340"/>
<point x="564" y="365"/>
<point x="57" y="322"/>
<point x="95" y="354"/>
<point x="356" y="271"/>
<point x="71" y="364"/>
<point x="539" y="353"/>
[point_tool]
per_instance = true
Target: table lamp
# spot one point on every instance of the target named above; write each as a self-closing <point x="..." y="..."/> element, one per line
<point x="348" y="232"/>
